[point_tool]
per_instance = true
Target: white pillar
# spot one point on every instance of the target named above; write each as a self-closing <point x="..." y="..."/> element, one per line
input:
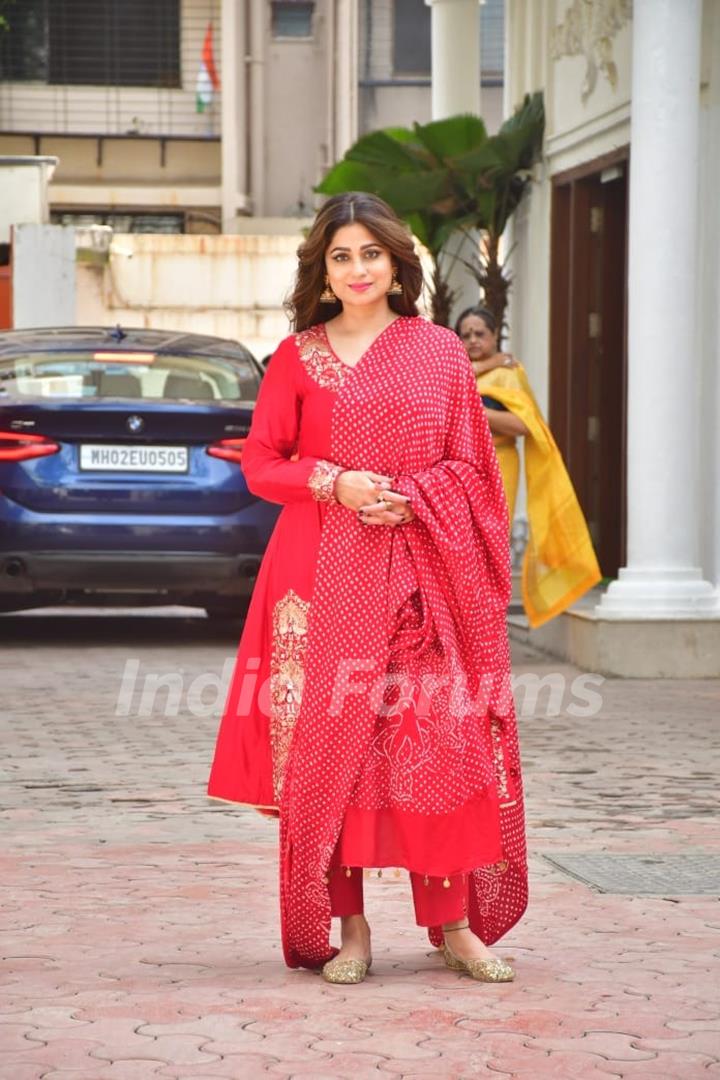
<point x="259" y="14"/>
<point x="662" y="578"/>
<point x="456" y="89"/>
<point x="234" y="110"/>
<point x="512" y="58"/>
<point x="455" y="57"/>
<point x="346" y="77"/>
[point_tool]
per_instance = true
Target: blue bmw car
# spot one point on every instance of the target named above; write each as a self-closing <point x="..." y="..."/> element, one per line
<point x="120" y="470"/>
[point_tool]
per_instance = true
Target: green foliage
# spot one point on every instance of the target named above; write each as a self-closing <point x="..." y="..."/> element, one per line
<point x="447" y="138"/>
<point x="4" y="5"/>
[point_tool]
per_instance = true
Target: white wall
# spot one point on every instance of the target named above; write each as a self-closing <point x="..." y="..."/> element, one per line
<point x="230" y="286"/>
<point x="23" y="192"/>
<point x="529" y="264"/>
<point x="43" y="280"/>
<point x="402" y="106"/>
<point x="298" y="136"/>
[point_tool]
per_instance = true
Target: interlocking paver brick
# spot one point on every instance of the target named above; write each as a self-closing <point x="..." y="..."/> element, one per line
<point x="135" y="1069"/>
<point x="666" y="1066"/>
<point x="53" y="1017"/>
<point x="281" y="1044"/>
<point x="540" y="1022"/>
<point x="234" y="1067"/>
<point x="14" y="1036"/>
<point x="699" y="1042"/>
<point x="453" y="1069"/>
<point x="140" y="919"/>
<point x="212" y="1027"/>
<point x="329" y="1074"/>
<point x="468" y="1065"/>
<point x="695" y="1025"/>
<point x="61" y="1053"/>
<point x="357" y="1063"/>
<point x="28" y="1072"/>
<point x="182" y="1050"/>
<point x="397" y="1044"/>
<point x="615" y="1046"/>
<point x="560" y="1066"/>
<point x="290" y="1066"/>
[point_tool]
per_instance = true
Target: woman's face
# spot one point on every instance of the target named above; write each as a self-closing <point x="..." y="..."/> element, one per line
<point x="478" y="338"/>
<point x="359" y="266"/>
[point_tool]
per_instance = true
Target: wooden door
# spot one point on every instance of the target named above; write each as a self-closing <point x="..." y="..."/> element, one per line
<point x="588" y="348"/>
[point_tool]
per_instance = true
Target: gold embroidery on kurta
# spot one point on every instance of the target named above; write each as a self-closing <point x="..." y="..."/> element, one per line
<point x="289" y="639"/>
<point x="320" y="362"/>
<point x="500" y="769"/>
<point x="322" y="480"/>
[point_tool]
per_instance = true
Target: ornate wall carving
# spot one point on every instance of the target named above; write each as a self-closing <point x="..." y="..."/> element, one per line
<point x="588" y="30"/>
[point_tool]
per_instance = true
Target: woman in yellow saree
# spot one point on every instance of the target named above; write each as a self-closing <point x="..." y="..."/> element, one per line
<point x="560" y="564"/>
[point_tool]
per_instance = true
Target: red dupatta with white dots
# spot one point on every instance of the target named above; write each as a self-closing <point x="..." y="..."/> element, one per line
<point x="424" y="601"/>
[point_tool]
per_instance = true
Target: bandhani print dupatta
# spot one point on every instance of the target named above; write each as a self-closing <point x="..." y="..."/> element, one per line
<point x="408" y="409"/>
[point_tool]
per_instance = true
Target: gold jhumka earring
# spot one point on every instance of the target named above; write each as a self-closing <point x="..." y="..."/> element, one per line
<point x="395" y="285"/>
<point x="327" y="296"/>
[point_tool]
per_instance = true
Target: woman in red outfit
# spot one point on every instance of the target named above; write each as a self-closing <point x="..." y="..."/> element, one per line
<point x="370" y="706"/>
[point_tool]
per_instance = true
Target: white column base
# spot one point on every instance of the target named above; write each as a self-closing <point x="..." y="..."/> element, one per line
<point x="659" y="594"/>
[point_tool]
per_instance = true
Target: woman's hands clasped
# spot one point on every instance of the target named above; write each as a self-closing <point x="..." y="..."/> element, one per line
<point x="369" y="494"/>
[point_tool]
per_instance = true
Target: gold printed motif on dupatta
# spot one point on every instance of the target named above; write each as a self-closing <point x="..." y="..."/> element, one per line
<point x="319" y="360"/>
<point x="487" y="881"/>
<point x="289" y="639"/>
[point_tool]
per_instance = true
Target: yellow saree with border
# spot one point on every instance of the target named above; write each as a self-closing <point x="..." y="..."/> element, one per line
<point x="560" y="564"/>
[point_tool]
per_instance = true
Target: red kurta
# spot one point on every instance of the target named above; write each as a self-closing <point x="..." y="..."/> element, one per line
<point x="421" y="785"/>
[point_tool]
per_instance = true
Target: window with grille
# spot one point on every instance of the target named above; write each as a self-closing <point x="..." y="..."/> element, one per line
<point x="130" y="222"/>
<point x="92" y="42"/>
<point x="292" y="18"/>
<point x="411" y="38"/>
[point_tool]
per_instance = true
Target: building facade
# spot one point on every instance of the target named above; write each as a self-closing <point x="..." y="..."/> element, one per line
<point x="121" y="118"/>
<point x="139" y="150"/>
<point x="110" y="88"/>
<point x="615" y="306"/>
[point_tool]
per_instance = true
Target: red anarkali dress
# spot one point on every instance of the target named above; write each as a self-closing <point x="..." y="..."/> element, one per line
<point x="370" y="705"/>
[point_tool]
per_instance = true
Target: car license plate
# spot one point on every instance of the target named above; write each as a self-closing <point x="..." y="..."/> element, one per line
<point x="157" y="459"/>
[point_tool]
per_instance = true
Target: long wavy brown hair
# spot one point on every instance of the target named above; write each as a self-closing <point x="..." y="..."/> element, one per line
<point x="304" y="307"/>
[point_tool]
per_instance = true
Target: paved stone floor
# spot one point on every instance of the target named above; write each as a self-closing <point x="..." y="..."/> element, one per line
<point x="139" y="933"/>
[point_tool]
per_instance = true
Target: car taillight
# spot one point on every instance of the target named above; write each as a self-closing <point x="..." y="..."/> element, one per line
<point x="228" y="449"/>
<point x="19" y="446"/>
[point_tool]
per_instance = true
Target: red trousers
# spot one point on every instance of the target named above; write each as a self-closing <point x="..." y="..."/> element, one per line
<point x="437" y="900"/>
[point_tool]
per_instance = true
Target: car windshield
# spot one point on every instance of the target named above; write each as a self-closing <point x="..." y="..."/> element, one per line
<point x="142" y="375"/>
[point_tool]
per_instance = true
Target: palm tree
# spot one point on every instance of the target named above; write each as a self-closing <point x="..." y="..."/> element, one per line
<point x="445" y="177"/>
<point x="515" y="149"/>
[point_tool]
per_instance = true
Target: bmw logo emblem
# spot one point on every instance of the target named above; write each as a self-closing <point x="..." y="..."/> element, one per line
<point x="135" y="424"/>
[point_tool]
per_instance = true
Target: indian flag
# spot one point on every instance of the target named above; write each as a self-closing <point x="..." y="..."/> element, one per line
<point x="207" y="79"/>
